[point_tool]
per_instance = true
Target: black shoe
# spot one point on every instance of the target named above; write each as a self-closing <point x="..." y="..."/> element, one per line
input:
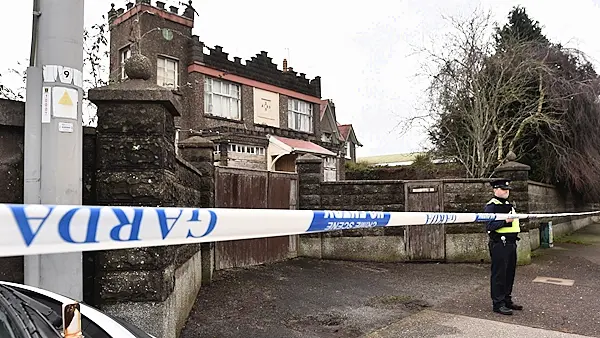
<point x="514" y="307"/>
<point x="504" y="310"/>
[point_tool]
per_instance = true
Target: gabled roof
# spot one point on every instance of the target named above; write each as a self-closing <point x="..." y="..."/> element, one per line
<point x="327" y="113"/>
<point x="344" y="131"/>
<point x="323" y="106"/>
<point x="347" y="132"/>
<point x="292" y="145"/>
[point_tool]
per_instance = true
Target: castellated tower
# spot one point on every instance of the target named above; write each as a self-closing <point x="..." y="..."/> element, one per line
<point x="161" y="34"/>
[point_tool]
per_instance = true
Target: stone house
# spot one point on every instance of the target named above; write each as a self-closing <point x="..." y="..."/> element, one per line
<point x="257" y="115"/>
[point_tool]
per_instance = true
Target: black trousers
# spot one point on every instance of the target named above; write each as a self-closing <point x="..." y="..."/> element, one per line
<point x="504" y="264"/>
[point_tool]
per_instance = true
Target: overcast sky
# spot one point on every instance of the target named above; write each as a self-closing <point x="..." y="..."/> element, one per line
<point x="363" y="51"/>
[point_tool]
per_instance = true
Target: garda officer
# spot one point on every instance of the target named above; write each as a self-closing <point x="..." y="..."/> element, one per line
<point x="503" y="248"/>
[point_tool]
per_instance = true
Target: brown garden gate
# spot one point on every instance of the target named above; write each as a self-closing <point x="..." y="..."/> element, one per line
<point x="425" y="242"/>
<point x="254" y="189"/>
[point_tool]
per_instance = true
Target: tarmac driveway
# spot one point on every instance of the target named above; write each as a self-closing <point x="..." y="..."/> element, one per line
<point x="315" y="298"/>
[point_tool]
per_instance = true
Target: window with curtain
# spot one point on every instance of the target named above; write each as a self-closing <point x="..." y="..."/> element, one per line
<point x="300" y="115"/>
<point x="167" y="73"/>
<point x="222" y="98"/>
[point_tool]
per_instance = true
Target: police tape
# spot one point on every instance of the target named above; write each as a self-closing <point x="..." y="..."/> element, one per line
<point x="45" y="229"/>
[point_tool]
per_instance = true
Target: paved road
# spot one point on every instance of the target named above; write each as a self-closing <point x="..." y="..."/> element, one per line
<point x="430" y="324"/>
<point x="573" y="309"/>
<point x="306" y="298"/>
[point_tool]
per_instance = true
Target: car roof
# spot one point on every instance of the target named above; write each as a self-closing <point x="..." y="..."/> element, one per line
<point x="108" y="324"/>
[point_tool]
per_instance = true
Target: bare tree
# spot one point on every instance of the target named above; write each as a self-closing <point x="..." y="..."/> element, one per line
<point x="95" y="70"/>
<point x="482" y="102"/>
<point x="10" y="93"/>
<point x="96" y="55"/>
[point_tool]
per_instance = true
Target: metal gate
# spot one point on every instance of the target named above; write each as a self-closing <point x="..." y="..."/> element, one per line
<point x="425" y="242"/>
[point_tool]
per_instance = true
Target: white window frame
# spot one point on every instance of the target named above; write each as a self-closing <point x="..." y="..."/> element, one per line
<point x="246" y="149"/>
<point x="330" y="169"/>
<point x="165" y="80"/>
<point x="124" y="54"/>
<point x="326" y="137"/>
<point x="298" y="109"/>
<point x="232" y="96"/>
<point x="348" y="153"/>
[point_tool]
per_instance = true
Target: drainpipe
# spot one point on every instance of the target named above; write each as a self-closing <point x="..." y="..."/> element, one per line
<point x="34" y="33"/>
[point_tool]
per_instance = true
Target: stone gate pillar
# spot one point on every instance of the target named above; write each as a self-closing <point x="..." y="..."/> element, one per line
<point x="199" y="152"/>
<point x="137" y="166"/>
<point x="518" y="173"/>
<point x="310" y="176"/>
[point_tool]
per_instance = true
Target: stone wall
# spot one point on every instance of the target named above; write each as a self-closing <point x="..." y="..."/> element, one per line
<point x="464" y="242"/>
<point x="363" y="195"/>
<point x="12" y="148"/>
<point x="436" y="171"/>
<point x="546" y="198"/>
<point x="12" y="117"/>
<point x="377" y="244"/>
<point x="250" y="161"/>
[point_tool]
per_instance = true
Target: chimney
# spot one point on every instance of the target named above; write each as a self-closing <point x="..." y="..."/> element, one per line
<point x="285" y="66"/>
<point x="160" y="4"/>
<point x="173" y="9"/>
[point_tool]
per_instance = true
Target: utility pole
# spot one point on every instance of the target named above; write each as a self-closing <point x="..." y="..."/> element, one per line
<point x="54" y="133"/>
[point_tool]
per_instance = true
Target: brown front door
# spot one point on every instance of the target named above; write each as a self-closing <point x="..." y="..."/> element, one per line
<point x="425" y="242"/>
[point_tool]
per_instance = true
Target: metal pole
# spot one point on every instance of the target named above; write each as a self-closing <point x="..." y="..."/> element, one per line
<point x="33" y="140"/>
<point x="60" y="58"/>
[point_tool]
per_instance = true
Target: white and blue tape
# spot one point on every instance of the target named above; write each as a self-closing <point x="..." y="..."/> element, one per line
<point x="44" y="229"/>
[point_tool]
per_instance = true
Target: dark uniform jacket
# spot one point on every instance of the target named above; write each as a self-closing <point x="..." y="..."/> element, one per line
<point x="492" y="226"/>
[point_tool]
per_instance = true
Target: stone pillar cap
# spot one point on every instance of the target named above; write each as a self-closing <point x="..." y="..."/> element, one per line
<point x="196" y="142"/>
<point x="309" y="158"/>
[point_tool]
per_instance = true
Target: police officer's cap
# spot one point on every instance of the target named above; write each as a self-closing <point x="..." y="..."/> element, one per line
<point x="501" y="183"/>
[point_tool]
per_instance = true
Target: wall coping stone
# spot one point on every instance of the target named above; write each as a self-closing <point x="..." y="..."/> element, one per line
<point x="512" y="166"/>
<point x="136" y="91"/>
<point x="188" y="165"/>
<point x="363" y="182"/>
<point x="196" y="142"/>
<point x="309" y="158"/>
<point x="443" y="180"/>
<point x="541" y="184"/>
